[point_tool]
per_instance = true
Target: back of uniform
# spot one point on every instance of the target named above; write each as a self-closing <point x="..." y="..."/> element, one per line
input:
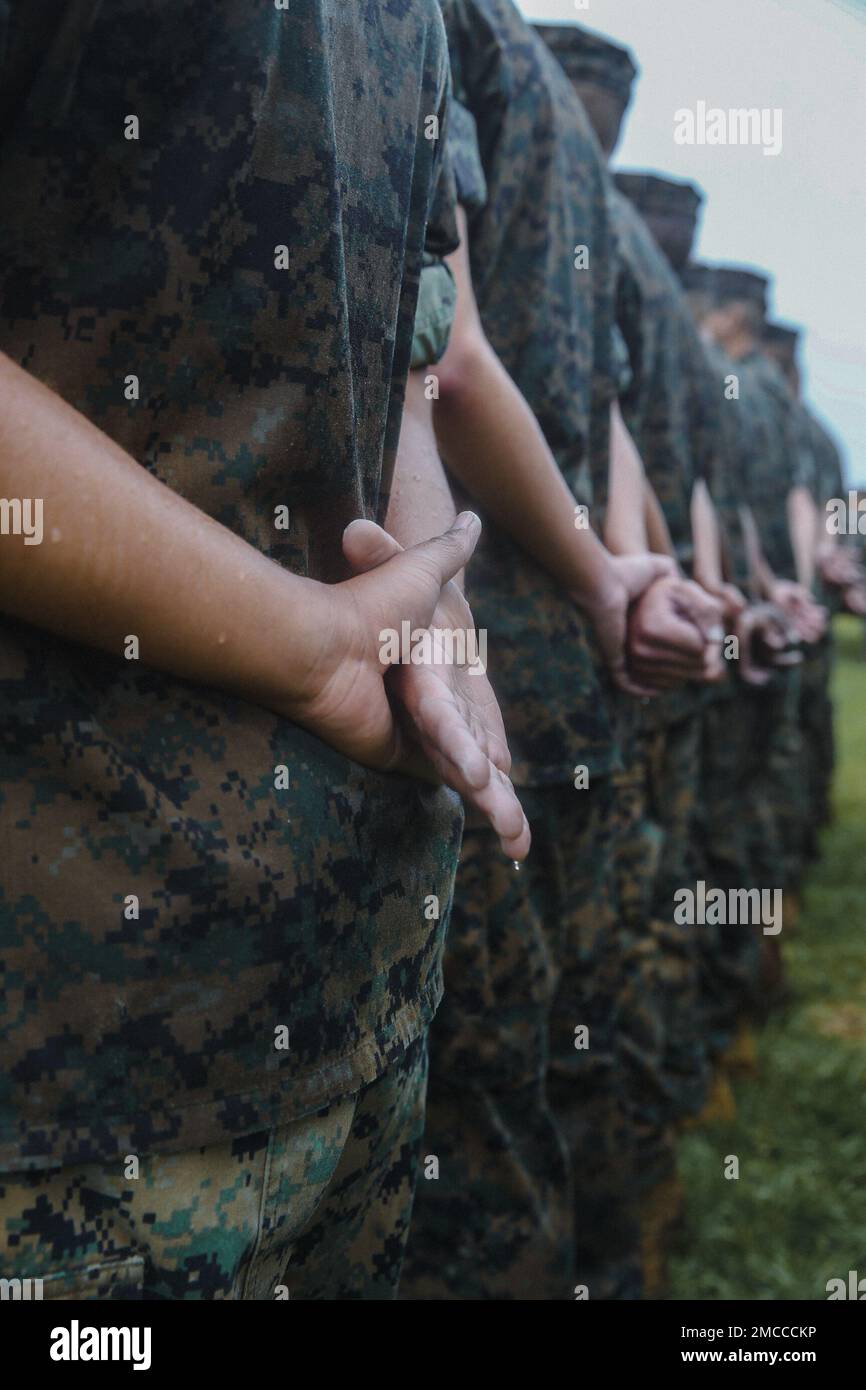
<point x="227" y="212"/>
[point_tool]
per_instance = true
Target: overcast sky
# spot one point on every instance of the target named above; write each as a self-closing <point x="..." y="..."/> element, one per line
<point x="801" y="215"/>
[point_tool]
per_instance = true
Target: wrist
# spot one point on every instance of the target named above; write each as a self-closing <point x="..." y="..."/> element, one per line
<point x="306" y="633"/>
<point x="607" y="594"/>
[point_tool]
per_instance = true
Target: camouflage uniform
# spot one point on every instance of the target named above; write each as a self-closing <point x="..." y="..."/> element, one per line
<point x="314" y="1209"/>
<point x="816" y="708"/>
<point x="729" y="956"/>
<point x="663" y="411"/>
<point x="777" y="461"/>
<point x="434" y="317"/>
<point x="261" y="916"/>
<point x="518" y="1116"/>
<point x="660" y="750"/>
<point x="818" y="716"/>
<point x="789" y="463"/>
<point x="734" y="815"/>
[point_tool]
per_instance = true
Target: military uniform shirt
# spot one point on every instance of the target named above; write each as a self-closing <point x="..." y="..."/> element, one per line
<point x="660" y="406"/>
<point x="190" y="948"/>
<point x="551" y="325"/>
<point x="781" y="459"/>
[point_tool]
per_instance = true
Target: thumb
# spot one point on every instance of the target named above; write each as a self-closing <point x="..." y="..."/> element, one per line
<point x="444" y="556"/>
<point x="397" y="585"/>
<point x="704" y="610"/>
<point x="366" y="545"/>
<point x="639" y="571"/>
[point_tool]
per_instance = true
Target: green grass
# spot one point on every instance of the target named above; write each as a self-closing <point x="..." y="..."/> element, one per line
<point x="796" y="1216"/>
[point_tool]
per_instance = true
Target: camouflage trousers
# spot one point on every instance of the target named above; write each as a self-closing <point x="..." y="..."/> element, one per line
<point x="816" y="727"/>
<point x="315" y="1209"/>
<point x="660" y="1016"/>
<point x="730" y="955"/>
<point x="526" y="1146"/>
<point x="777" y="812"/>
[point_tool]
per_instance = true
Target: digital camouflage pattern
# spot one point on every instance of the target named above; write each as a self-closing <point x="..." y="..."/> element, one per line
<point x="816" y="708"/>
<point x="665" y="406"/>
<point x="551" y="325"/>
<point x="534" y="1192"/>
<point x="669" y="209"/>
<point x="674" y="782"/>
<point x="729" y="817"/>
<point x="434" y="316"/>
<point x="260" y="909"/>
<point x="660" y="335"/>
<point x="465" y="157"/>
<point x="738" y="440"/>
<point x="668" y="409"/>
<point x="818" y="742"/>
<point x="534" y="1166"/>
<point x="317" y="1208"/>
<point x="781" y="458"/>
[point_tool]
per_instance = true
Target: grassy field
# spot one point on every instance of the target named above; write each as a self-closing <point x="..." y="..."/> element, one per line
<point x="796" y="1216"/>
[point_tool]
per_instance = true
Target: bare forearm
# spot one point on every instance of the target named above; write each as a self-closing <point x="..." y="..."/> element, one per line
<point x="493" y="444"/>
<point x="123" y="556"/>
<point x="625" y="524"/>
<point x="708" y="568"/>
<point x="658" y="535"/>
<point x="421" y="504"/>
<point x="802" y="525"/>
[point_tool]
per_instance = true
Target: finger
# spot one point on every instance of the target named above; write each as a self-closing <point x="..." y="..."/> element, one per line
<point x="408" y="585"/>
<point x="449" y="743"/>
<point x="444" y="556"/>
<point x="673" y="630"/>
<point x="495" y="798"/>
<point x="443" y="731"/>
<point x="663" y="655"/>
<point x="714" y="670"/>
<point x="704" y="610"/>
<point x="366" y="545"/>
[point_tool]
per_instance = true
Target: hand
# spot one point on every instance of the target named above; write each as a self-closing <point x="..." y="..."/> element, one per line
<point x="804" y="614"/>
<point x="447" y="715"/>
<point x="839" y="566"/>
<point x="766" y="642"/>
<point x="731" y="598"/>
<point x="629" y="576"/>
<point x="675" y="634"/>
<point x="854" y="599"/>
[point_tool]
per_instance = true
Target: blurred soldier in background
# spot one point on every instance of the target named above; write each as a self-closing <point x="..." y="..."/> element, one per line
<point x="664" y="409"/>
<point x="525" y="1118"/>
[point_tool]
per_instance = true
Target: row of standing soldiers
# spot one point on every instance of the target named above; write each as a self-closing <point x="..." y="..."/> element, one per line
<point x="583" y="1026"/>
<point x="226" y="901"/>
